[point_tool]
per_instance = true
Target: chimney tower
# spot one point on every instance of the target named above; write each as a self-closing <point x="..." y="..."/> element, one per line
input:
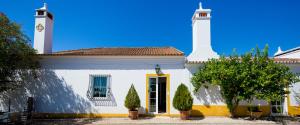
<point x="202" y="50"/>
<point x="43" y="30"/>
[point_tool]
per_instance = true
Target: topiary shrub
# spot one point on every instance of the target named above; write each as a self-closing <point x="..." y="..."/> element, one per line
<point x="183" y="100"/>
<point x="132" y="101"/>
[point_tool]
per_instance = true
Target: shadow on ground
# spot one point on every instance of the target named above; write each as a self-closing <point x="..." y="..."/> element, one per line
<point x="81" y="121"/>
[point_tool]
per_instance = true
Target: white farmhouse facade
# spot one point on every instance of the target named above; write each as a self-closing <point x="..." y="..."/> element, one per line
<point x="95" y="81"/>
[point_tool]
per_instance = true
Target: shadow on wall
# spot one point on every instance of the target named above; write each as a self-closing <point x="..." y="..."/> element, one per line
<point x="297" y="96"/>
<point x="50" y="93"/>
<point x="210" y="95"/>
<point x="109" y="101"/>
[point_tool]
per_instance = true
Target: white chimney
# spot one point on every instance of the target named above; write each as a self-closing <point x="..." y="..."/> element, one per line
<point x="43" y="30"/>
<point x="202" y="50"/>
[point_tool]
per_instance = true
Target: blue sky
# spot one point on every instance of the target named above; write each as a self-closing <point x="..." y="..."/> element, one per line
<point x="240" y="24"/>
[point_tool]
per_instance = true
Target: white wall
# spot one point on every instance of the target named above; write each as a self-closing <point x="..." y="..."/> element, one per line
<point x="63" y="84"/>
<point x="62" y="87"/>
<point x="295" y="89"/>
<point x="43" y="39"/>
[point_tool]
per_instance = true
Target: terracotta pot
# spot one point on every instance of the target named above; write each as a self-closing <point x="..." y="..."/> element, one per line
<point x="184" y="115"/>
<point x="256" y="115"/>
<point x="134" y="114"/>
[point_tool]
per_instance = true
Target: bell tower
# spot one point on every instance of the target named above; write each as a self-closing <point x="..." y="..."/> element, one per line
<point x="202" y="50"/>
<point x="43" y="30"/>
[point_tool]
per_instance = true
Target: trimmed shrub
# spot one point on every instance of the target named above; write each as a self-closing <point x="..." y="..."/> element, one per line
<point x="132" y="101"/>
<point x="183" y="100"/>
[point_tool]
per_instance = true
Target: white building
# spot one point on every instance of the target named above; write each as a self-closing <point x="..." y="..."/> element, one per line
<point x="95" y="81"/>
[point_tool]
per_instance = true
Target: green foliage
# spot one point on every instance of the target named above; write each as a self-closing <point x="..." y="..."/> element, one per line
<point x="253" y="108"/>
<point x="17" y="58"/>
<point x="183" y="100"/>
<point x="250" y="76"/>
<point x="132" y="101"/>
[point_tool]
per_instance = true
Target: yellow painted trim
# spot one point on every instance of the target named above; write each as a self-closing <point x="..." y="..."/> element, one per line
<point x="292" y="110"/>
<point x="222" y="110"/>
<point x="168" y="92"/>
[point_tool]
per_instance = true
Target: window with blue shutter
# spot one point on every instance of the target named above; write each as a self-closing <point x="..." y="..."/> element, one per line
<point x="100" y="86"/>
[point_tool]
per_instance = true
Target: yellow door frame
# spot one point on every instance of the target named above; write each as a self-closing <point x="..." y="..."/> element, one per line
<point x="168" y="92"/>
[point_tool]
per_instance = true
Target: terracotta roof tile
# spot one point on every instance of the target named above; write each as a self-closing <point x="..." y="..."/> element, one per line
<point x="142" y="51"/>
<point x="287" y="60"/>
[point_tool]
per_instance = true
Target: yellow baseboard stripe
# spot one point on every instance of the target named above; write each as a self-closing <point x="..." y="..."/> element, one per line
<point x="294" y="110"/>
<point x="217" y="110"/>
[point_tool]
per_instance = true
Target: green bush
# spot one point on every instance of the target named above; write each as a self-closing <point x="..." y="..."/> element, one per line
<point x="253" y="109"/>
<point x="183" y="100"/>
<point x="132" y="101"/>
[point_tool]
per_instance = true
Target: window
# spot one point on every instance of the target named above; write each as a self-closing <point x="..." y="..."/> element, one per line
<point x="40" y="12"/>
<point x="203" y="14"/>
<point x="99" y="86"/>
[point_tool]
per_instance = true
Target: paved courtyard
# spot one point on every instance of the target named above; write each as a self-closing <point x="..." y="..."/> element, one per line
<point x="162" y="120"/>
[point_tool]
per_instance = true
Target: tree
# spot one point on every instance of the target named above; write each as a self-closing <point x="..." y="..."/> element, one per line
<point x="247" y="77"/>
<point x="183" y="100"/>
<point x="132" y="101"/>
<point x="17" y="58"/>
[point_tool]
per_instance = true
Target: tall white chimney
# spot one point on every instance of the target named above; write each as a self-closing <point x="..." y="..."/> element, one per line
<point x="202" y="50"/>
<point x="43" y="30"/>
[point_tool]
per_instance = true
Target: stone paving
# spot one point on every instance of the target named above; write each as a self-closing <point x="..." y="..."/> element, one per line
<point x="168" y="120"/>
<point x="161" y="121"/>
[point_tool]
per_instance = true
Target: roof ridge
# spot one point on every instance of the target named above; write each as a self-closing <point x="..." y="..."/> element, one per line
<point x="130" y="51"/>
<point x="116" y="48"/>
<point x="288" y="51"/>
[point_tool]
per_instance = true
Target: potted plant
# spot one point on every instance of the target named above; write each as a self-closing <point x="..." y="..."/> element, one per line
<point x="255" y="112"/>
<point x="183" y="101"/>
<point x="132" y="103"/>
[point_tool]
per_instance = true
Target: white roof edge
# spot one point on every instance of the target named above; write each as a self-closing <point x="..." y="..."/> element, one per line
<point x="286" y="52"/>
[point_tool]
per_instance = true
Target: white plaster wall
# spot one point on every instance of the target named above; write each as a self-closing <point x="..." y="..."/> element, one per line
<point x="202" y="50"/>
<point x="43" y="39"/>
<point x="295" y="88"/>
<point x="39" y="36"/>
<point x="48" y="35"/>
<point x="63" y="84"/>
<point x="121" y="81"/>
<point x="124" y="71"/>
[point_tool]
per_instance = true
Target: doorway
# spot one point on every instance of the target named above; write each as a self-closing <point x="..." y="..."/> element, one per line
<point x="157" y="94"/>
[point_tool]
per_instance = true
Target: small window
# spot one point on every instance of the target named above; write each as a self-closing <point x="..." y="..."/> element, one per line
<point x="40" y="12"/>
<point x="99" y="87"/>
<point x="203" y="14"/>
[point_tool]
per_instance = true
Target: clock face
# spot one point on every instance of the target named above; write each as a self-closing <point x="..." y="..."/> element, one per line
<point x="39" y="27"/>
